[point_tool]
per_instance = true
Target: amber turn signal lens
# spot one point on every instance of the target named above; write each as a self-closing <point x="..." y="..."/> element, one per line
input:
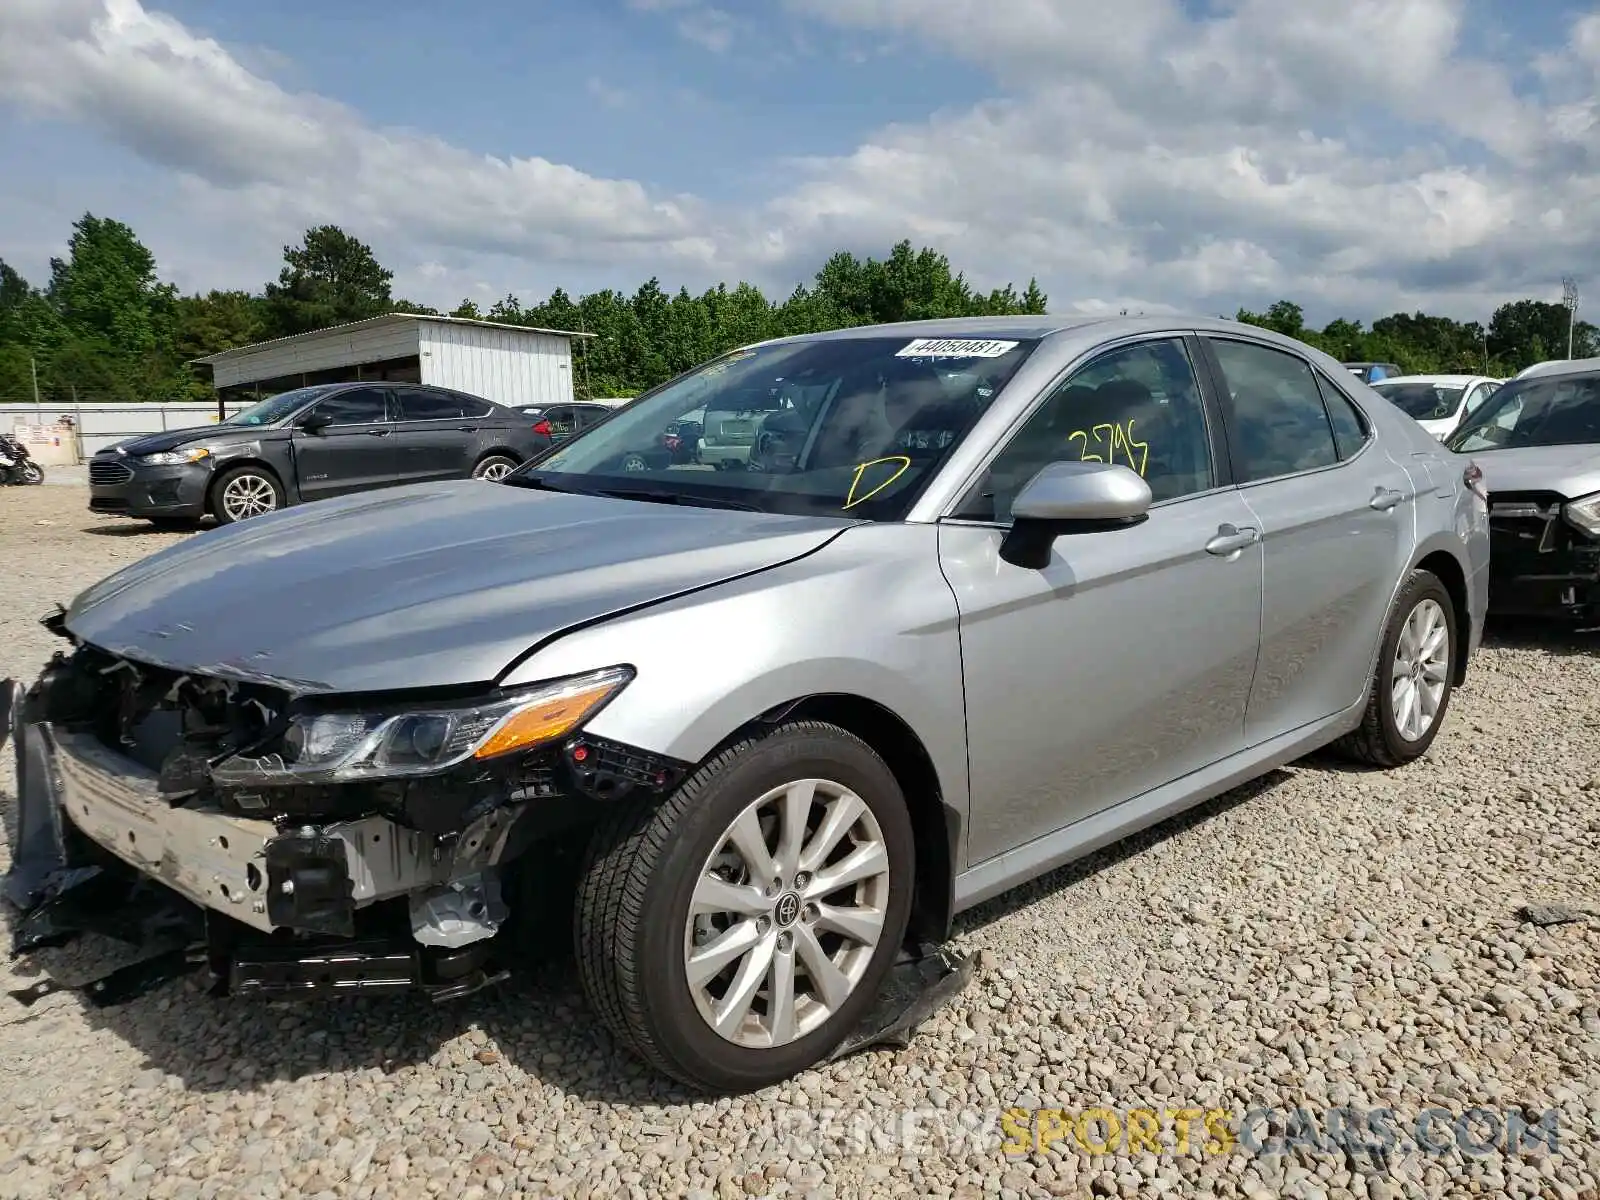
<point x="544" y="720"/>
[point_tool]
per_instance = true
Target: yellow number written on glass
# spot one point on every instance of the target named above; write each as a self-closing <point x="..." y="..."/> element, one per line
<point x="1109" y="442"/>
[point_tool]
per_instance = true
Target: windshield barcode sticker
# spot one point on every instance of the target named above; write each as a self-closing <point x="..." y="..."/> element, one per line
<point x="955" y="348"/>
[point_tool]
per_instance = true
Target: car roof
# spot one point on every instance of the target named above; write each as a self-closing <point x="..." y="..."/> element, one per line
<point x="1030" y="327"/>
<point x="1560" y="366"/>
<point x="1461" y="379"/>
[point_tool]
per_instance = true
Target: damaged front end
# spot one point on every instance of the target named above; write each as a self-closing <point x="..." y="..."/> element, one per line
<point x="1544" y="556"/>
<point x="300" y="843"/>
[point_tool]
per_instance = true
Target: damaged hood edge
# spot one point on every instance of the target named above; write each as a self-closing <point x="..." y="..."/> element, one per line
<point x="428" y="586"/>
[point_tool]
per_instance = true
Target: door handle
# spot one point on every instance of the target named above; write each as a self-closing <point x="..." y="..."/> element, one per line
<point x="1385" y="498"/>
<point x="466" y="429"/>
<point x="1230" y="539"/>
<point x="377" y="433"/>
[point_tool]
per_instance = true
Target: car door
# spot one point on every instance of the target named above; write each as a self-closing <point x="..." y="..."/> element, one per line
<point x="1338" y="519"/>
<point x="353" y="452"/>
<point x="562" y="420"/>
<point x="434" y="435"/>
<point x="1126" y="662"/>
<point x="1474" y="399"/>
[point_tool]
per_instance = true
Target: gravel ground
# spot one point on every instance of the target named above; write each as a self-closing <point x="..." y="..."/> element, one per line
<point x="1323" y="938"/>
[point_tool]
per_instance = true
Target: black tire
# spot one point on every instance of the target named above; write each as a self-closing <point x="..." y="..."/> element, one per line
<point x="1377" y="741"/>
<point x="32" y="473"/>
<point x="639" y="874"/>
<point x="219" y="489"/>
<point x="494" y="466"/>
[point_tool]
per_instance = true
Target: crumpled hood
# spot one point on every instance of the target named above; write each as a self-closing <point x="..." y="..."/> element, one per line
<point x="171" y="439"/>
<point x="1573" y="471"/>
<point x="430" y="585"/>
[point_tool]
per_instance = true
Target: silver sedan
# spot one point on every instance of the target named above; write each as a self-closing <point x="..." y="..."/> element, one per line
<point x="985" y="595"/>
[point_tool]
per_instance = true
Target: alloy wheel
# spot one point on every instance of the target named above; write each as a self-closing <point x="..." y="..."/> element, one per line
<point x="786" y="913"/>
<point x="496" y="470"/>
<point x="1421" y="670"/>
<point x="248" y="496"/>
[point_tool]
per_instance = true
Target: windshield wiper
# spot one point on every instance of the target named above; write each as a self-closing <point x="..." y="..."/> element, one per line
<point x="657" y="496"/>
<point x="536" y="481"/>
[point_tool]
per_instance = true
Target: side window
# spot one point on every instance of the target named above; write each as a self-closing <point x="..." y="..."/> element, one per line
<point x="561" y="419"/>
<point x="421" y="404"/>
<point x="1479" y="394"/>
<point x="1349" y="427"/>
<point x="1279" y="423"/>
<point x="1139" y="406"/>
<point x="359" y="406"/>
<point x="475" y="408"/>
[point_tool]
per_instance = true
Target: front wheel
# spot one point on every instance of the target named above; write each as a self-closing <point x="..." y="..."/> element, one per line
<point x="494" y="468"/>
<point x="32" y="472"/>
<point x="245" y="492"/>
<point x="1414" y="679"/>
<point x="734" y="934"/>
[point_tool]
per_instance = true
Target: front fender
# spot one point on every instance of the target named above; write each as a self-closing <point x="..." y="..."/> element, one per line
<point x="869" y="615"/>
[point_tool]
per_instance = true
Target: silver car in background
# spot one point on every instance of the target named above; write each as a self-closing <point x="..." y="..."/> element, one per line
<point x="1009" y="590"/>
<point x="1538" y="443"/>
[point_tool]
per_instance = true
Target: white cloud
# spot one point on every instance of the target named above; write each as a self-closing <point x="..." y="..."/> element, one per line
<point x="1343" y="150"/>
<point x="707" y="26"/>
<point x="1350" y="154"/>
<point x="607" y="95"/>
<point x="291" y="159"/>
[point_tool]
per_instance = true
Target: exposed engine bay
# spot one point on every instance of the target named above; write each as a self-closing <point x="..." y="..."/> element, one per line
<point x="131" y="773"/>
<point x="1541" y="564"/>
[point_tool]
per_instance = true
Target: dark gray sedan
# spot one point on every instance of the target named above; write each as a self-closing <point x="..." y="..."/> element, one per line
<point x="309" y="444"/>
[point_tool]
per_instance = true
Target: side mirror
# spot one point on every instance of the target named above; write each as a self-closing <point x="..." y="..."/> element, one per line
<point x="314" y="422"/>
<point x="1072" y="497"/>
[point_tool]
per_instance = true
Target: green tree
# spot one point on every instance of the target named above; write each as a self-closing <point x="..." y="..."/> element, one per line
<point x="1524" y="332"/>
<point x="329" y="279"/>
<point x="107" y="293"/>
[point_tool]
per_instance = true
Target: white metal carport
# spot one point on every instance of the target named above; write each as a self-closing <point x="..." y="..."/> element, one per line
<point x="509" y="364"/>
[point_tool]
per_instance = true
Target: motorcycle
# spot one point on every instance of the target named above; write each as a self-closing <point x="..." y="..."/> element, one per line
<point x="16" y="464"/>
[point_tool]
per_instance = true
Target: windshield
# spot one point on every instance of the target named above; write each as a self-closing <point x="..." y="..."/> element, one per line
<point x="853" y="426"/>
<point x="1563" y="411"/>
<point x="274" y="408"/>
<point x="1421" y="401"/>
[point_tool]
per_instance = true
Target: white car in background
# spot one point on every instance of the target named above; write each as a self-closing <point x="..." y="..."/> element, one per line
<point x="1439" y="403"/>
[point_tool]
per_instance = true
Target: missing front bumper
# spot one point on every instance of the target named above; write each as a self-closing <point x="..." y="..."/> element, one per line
<point x="312" y="879"/>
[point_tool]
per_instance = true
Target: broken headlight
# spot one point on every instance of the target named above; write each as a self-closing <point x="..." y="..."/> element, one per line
<point x="347" y="747"/>
<point x="1585" y="514"/>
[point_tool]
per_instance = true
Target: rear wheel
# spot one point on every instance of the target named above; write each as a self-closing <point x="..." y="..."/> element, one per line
<point x="1414" y="679"/>
<point x="735" y="934"/>
<point x="245" y="492"/>
<point x="494" y="467"/>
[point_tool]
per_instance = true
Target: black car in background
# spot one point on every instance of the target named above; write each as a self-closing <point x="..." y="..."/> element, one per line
<point x="560" y="421"/>
<point x="309" y="444"/>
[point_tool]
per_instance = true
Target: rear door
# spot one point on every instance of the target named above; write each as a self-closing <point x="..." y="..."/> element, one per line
<point x="355" y="452"/>
<point x="435" y="436"/>
<point x="1337" y="518"/>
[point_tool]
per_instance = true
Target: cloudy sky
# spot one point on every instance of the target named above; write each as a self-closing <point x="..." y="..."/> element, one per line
<point x="1355" y="155"/>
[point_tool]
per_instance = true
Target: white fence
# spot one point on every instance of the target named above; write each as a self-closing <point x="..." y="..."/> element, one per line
<point x="100" y="425"/>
